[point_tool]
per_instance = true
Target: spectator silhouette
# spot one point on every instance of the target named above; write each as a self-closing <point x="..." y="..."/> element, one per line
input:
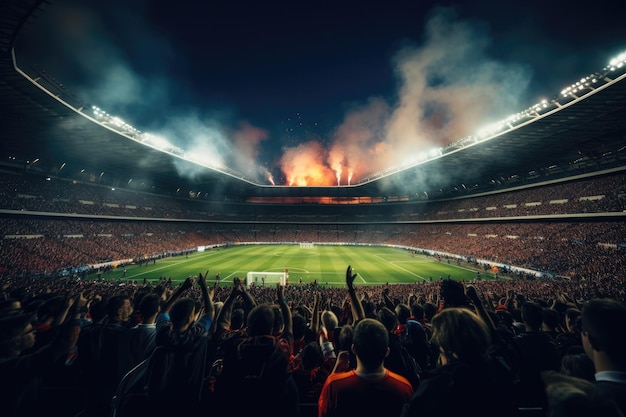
<point x="256" y="367"/>
<point x="101" y="354"/>
<point x="537" y="352"/>
<point x="177" y="367"/>
<point x="578" y="365"/>
<point x="603" y="324"/>
<point x="467" y="381"/>
<point x="568" y="396"/>
<point x="398" y="360"/>
<point x="10" y="306"/>
<point x="310" y="370"/>
<point x="370" y="389"/>
<point x="142" y="337"/>
<point x="569" y="341"/>
<point x="20" y="374"/>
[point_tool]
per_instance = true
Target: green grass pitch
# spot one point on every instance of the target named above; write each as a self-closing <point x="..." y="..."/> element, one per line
<point x="374" y="265"/>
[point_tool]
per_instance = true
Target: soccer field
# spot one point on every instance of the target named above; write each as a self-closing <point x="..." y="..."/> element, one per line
<point x="373" y="265"/>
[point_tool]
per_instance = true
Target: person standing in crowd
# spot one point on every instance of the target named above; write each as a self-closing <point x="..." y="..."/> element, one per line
<point x="398" y="360"/>
<point x="370" y="389"/>
<point x="21" y="374"/>
<point x="257" y="365"/>
<point x="466" y="381"/>
<point x="603" y="323"/>
<point x="537" y="352"/>
<point x="102" y="354"/>
<point x="142" y="337"/>
<point x="570" y="396"/>
<point x="177" y="367"/>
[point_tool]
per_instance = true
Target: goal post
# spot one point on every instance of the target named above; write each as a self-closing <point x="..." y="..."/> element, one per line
<point x="267" y="278"/>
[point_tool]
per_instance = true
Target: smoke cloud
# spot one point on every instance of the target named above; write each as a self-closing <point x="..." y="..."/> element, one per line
<point x="447" y="88"/>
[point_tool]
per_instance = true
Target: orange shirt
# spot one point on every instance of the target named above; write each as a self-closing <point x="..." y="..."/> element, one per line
<point x="347" y="394"/>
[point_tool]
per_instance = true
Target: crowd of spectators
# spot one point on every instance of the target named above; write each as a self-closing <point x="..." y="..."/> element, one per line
<point x="577" y="249"/>
<point x="94" y="348"/>
<point x="520" y="348"/>
<point x="599" y="194"/>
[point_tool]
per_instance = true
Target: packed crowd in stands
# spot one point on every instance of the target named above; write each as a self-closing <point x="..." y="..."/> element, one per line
<point x="604" y="194"/>
<point x="584" y="248"/>
<point x="491" y="348"/>
<point x="522" y="347"/>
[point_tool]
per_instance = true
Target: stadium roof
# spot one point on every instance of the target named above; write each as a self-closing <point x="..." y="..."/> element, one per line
<point x="44" y="130"/>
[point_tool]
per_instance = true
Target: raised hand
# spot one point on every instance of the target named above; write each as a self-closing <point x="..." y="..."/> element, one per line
<point x="472" y="294"/>
<point x="350" y="277"/>
<point x="188" y="283"/>
<point x="280" y="292"/>
<point x="202" y="279"/>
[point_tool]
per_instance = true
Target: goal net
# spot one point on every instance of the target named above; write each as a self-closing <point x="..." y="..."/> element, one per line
<point x="266" y="278"/>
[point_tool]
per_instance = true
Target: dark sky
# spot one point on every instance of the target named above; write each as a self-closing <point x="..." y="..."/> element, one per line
<point x="317" y="93"/>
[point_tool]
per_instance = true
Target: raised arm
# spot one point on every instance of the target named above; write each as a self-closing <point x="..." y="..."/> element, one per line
<point x="209" y="307"/>
<point x="223" y="318"/>
<point x="284" y="308"/>
<point x="388" y="301"/>
<point x="315" y="316"/>
<point x="479" y="306"/>
<point x="357" y="308"/>
<point x="248" y="300"/>
<point x="176" y="295"/>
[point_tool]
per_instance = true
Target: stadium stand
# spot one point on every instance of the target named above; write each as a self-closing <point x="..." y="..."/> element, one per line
<point x="568" y="221"/>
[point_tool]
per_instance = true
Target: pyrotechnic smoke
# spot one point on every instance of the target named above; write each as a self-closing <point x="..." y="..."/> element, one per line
<point x="447" y="88"/>
<point x="304" y="165"/>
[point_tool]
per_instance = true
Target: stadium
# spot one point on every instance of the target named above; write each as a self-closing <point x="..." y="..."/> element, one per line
<point x="97" y="220"/>
<point x="561" y="194"/>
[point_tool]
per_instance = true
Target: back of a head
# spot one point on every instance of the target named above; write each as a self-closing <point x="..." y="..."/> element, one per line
<point x="532" y="314"/>
<point x="551" y="318"/>
<point x="573" y="397"/>
<point x="299" y="326"/>
<point x="572" y="319"/>
<point x="453" y="294"/>
<point x="329" y="319"/>
<point x="460" y="332"/>
<point x="237" y="319"/>
<point x="388" y="318"/>
<point x="98" y="311"/>
<point x="371" y="342"/>
<point x="50" y="308"/>
<point x="417" y="311"/>
<point x="403" y="312"/>
<point x="346" y="336"/>
<point x="114" y="304"/>
<point x="10" y="328"/>
<point x="504" y="318"/>
<point x="430" y="309"/>
<point x="311" y="356"/>
<point x="604" y="321"/>
<point x="261" y="320"/>
<point x="181" y="311"/>
<point x="149" y="305"/>
<point x="578" y="365"/>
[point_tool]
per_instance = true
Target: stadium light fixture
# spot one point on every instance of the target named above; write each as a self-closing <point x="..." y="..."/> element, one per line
<point x="617" y="61"/>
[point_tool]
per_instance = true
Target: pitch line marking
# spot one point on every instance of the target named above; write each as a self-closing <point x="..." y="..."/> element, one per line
<point x="399" y="267"/>
<point x="169" y="263"/>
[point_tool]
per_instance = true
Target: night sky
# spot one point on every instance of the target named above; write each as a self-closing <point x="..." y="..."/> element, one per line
<point x="316" y="93"/>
